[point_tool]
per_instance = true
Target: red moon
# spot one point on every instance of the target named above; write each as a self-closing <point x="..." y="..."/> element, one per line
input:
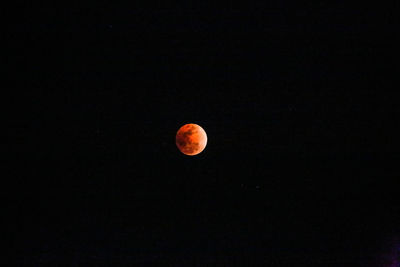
<point x="191" y="139"/>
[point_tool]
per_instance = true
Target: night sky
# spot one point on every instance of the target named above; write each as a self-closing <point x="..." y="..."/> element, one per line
<point x="298" y="104"/>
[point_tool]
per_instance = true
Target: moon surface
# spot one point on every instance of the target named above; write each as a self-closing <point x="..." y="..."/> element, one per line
<point x="191" y="139"/>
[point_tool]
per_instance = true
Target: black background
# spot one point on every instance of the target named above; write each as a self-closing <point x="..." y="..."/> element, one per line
<point x="297" y="102"/>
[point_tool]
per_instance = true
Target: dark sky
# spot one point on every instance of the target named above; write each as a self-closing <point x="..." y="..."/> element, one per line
<point x="297" y="101"/>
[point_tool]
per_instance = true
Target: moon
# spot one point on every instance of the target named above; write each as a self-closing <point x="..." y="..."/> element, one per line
<point x="191" y="139"/>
